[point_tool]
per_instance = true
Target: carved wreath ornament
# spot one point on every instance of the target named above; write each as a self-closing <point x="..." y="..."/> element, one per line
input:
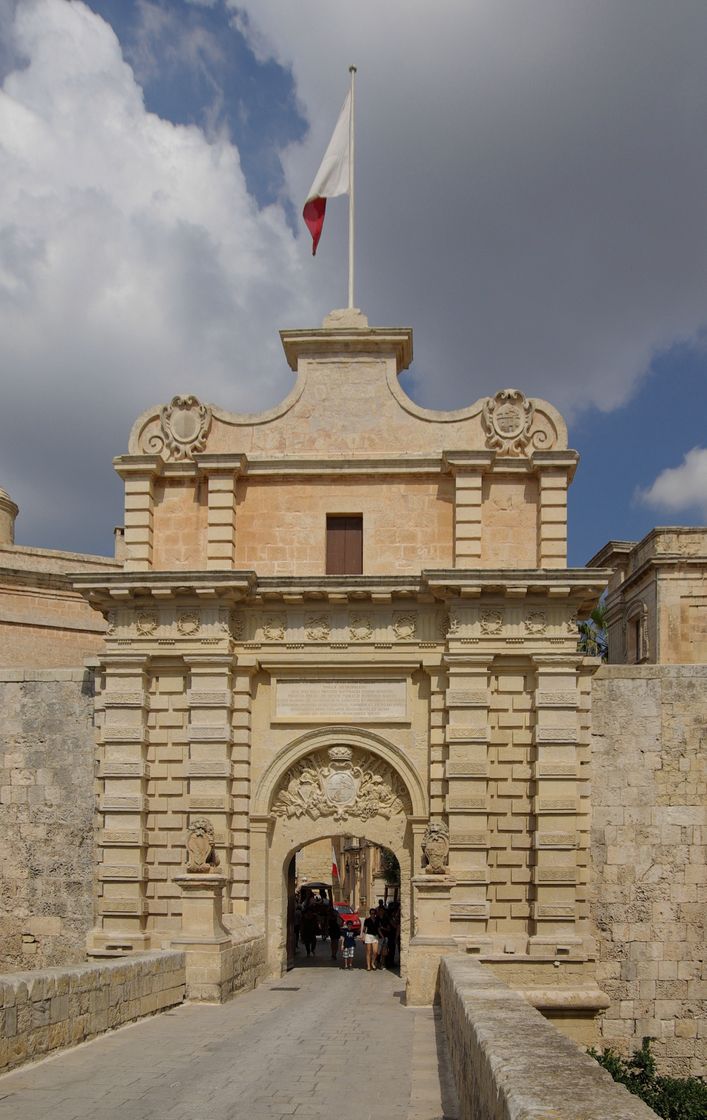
<point x="335" y="784"/>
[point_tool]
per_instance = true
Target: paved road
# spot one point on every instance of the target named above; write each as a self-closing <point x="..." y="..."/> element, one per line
<point x="320" y="1044"/>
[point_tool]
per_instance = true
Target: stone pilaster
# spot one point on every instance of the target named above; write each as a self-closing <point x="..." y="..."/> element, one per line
<point x="139" y="475"/>
<point x="438" y="745"/>
<point x="467" y="702"/>
<point x="554" y="473"/>
<point x="241" y="789"/>
<point x="209" y="735"/>
<point x="467" y="468"/>
<point x="122" y="838"/>
<point x="556" y="808"/>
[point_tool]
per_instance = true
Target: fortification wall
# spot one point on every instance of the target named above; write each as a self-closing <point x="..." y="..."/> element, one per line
<point x="47" y="754"/>
<point x="649" y="884"/>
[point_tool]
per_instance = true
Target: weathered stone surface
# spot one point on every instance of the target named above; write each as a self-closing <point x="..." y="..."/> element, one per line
<point x="649" y="793"/>
<point x="509" y="1063"/>
<point x="54" y="1008"/>
<point x="47" y="754"/>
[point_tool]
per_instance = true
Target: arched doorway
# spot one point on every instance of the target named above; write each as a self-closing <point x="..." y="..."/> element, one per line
<point x="333" y="780"/>
<point x="345" y="872"/>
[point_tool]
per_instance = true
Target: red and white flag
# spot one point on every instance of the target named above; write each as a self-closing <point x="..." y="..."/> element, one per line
<point x="334" y="864"/>
<point x="333" y="177"/>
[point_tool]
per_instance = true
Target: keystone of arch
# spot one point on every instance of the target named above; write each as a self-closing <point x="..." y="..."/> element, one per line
<point x="324" y="737"/>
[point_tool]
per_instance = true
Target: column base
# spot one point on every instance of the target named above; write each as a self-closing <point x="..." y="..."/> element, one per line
<point x="205" y="940"/>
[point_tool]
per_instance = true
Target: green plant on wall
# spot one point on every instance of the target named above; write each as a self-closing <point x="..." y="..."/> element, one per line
<point x="673" y="1098"/>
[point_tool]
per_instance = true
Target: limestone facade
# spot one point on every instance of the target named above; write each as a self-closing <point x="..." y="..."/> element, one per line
<point x="656" y="605"/>
<point x="44" y="622"/>
<point x="439" y="681"/>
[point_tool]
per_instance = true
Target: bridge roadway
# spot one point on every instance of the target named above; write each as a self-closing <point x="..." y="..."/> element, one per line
<point x="320" y="1044"/>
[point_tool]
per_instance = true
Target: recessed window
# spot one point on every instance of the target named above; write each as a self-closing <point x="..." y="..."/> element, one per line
<point x="344" y="544"/>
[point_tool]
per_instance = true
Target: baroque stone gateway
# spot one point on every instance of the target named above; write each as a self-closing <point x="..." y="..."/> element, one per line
<point x="352" y="615"/>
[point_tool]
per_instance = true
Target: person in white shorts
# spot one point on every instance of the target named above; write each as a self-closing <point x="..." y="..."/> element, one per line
<point x="370" y="940"/>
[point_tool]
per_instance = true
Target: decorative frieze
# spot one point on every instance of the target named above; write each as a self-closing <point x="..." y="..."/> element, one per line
<point x="467" y="698"/>
<point x="133" y="905"/>
<point x="461" y="910"/>
<point x="218" y="769"/>
<point x="133" y="803"/>
<point x="122" y="837"/>
<point x="138" y="769"/>
<point x="555" y="840"/>
<point x="466" y="769"/>
<point x="555" y="699"/>
<point x="120" y="872"/>
<point x="208" y="732"/>
<point x="555" y="734"/>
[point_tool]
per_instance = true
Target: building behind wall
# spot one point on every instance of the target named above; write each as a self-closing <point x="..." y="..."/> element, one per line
<point x="649" y="797"/>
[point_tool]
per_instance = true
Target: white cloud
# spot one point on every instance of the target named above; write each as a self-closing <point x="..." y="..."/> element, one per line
<point x="133" y="264"/>
<point x="530" y="198"/>
<point x="681" y="488"/>
<point x="530" y="181"/>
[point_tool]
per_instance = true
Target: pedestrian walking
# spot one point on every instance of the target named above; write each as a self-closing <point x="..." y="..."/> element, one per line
<point x="310" y="929"/>
<point x="348" y="949"/>
<point x="370" y="940"/>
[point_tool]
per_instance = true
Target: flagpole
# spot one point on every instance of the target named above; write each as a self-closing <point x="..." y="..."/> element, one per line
<point x="352" y="209"/>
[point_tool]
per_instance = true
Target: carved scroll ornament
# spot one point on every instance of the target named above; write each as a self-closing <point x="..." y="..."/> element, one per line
<point x="340" y="783"/>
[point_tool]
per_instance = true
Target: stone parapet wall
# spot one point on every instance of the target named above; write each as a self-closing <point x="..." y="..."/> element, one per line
<point x="54" y="1008"/>
<point x="246" y="965"/>
<point x="47" y="752"/>
<point x="649" y="833"/>
<point x="510" y="1063"/>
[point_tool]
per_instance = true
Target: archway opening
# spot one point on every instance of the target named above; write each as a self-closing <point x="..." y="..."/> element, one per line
<point x="343" y="904"/>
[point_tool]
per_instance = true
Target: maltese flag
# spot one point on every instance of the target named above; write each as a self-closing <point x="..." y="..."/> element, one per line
<point x="334" y="864"/>
<point x="333" y="177"/>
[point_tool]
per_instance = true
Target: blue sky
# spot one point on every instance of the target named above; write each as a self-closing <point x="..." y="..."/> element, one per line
<point x="531" y="198"/>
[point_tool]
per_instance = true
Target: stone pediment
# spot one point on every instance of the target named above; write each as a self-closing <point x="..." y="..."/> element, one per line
<point x="347" y="401"/>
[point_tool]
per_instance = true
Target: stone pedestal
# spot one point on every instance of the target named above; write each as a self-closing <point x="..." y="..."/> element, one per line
<point x="432" y="936"/>
<point x="205" y="940"/>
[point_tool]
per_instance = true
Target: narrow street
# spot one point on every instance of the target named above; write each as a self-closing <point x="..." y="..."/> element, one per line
<point x="320" y="1043"/>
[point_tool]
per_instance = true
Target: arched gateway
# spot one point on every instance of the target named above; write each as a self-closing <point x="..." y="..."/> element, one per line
<point x="335" y="779"/>
<point x="348" y="614"/>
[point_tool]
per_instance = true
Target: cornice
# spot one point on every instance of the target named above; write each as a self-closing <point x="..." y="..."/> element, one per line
<point x="245" y="587"/>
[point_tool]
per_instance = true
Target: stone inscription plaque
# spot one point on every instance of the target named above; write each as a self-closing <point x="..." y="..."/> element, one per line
<point x="345" y="698"/>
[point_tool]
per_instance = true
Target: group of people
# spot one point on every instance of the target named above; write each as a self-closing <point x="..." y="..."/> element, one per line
<point x="314" y="917"/>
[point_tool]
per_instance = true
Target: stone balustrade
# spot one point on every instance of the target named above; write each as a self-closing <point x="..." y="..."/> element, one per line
<point x="54" y="1008"/>
<point x="510" y="1063"/>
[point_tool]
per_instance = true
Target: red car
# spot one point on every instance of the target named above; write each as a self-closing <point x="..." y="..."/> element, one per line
<point x="349" y="917"/>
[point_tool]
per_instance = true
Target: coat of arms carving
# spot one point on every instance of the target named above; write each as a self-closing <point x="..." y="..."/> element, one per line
<point x="507" y="418"/>
<point x="185" y="424"/>
<point x="340" y="783"/>
<point x="201" y="853"/>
